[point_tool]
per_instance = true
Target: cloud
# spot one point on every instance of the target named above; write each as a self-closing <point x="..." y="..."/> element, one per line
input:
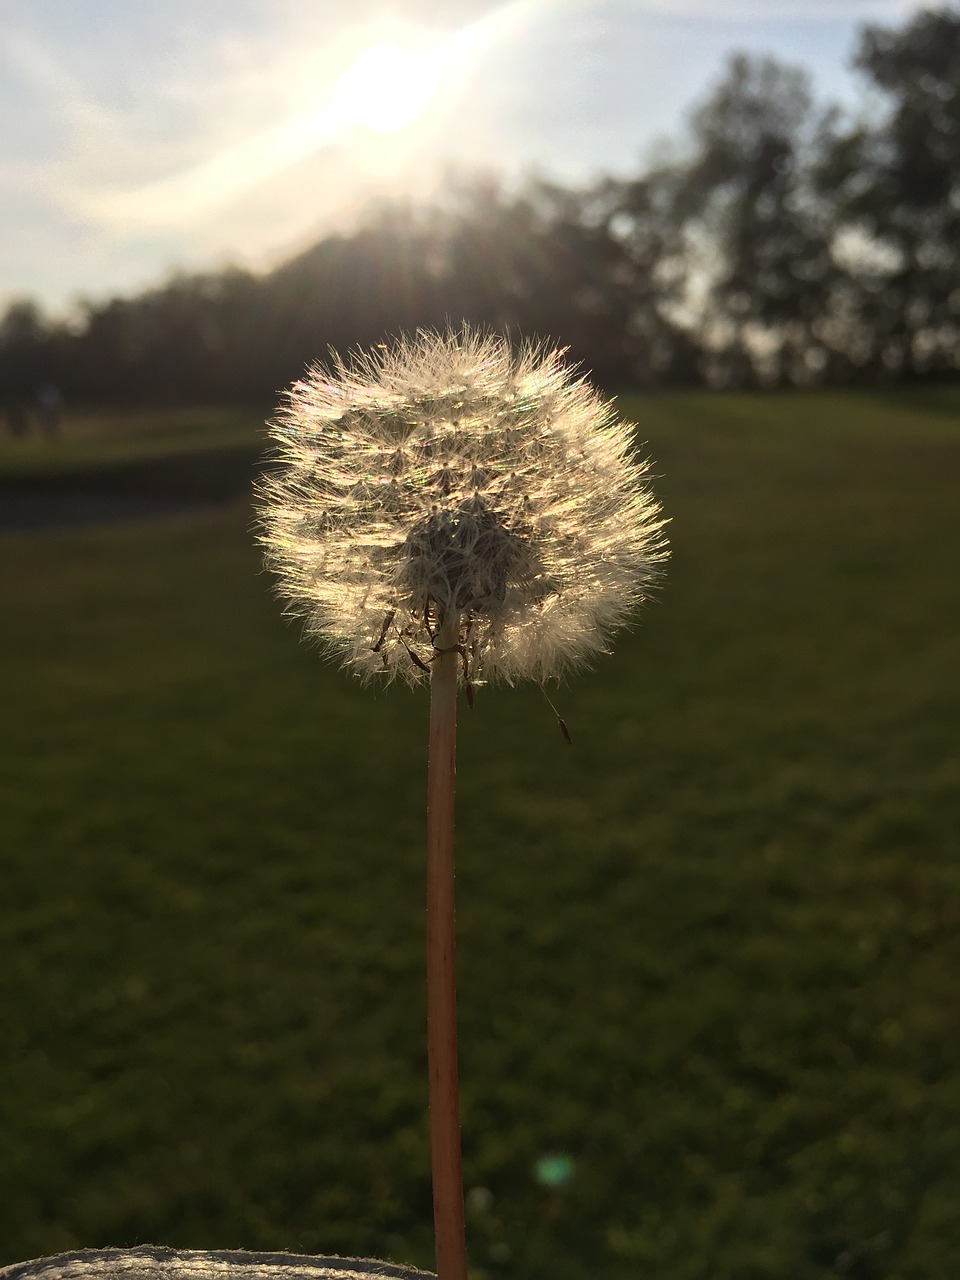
<point x="44" y="95"/>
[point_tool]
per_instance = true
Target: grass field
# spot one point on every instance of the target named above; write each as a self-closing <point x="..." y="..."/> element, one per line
<point x="711" y="955"/>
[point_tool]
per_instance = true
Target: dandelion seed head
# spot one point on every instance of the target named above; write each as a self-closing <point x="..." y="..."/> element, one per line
<point x="447" y="474"/>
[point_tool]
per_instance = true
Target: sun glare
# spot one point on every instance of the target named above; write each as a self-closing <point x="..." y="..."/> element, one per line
<point x="385" y="89"/>
<point x="391" y="85"/>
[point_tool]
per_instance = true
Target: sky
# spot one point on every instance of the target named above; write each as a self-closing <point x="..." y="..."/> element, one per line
<point x="145" y="138"/>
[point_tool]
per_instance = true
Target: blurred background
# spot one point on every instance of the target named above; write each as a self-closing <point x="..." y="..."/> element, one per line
<point x="708" y="957"/>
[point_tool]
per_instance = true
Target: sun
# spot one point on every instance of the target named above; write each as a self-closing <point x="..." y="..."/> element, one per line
<point x="386" y="88"/>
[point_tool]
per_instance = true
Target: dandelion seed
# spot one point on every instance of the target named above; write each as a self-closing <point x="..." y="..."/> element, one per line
<point x="445" y="475"/>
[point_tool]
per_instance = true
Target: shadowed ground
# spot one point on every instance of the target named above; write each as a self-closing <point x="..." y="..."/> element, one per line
<point x="143" y="488"/>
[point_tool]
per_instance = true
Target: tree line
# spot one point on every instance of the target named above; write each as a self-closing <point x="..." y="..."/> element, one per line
<point x="784" y="244"/>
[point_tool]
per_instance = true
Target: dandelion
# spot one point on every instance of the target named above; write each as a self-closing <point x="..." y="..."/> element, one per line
<point x="446" y="507"/>
<point x="445" y="477"/>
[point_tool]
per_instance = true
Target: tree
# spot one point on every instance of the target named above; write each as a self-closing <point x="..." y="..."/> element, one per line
<point x="895" y="182"/>
<point x="757" y="257"/>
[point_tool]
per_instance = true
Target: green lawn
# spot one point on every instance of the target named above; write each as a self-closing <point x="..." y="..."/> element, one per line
<point x="94" y="440"/>
<point x="711" y="954"/>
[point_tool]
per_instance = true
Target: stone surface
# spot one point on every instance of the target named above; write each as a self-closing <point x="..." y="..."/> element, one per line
<point x="152" y="1262"/>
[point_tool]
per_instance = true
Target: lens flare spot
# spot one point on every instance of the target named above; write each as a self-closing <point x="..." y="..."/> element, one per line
<point x="554" y="1169"/>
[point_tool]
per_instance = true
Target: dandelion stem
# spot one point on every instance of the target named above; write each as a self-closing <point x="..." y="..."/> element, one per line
<point x="443" y="1086"/>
